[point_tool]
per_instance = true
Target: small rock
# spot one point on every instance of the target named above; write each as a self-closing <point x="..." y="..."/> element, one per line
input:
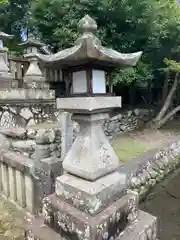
<point x="24" y="146"/>
<point x="31" y="133"/>
<point x="45" y="136"/>
<point x="26" y="113"/>
<point x="122" y="128"/>
<point x="111" y="127"/>
<point x="31" y="122"/>
<point x="114" y="118"/>
<point x="137" y="112"/>
<point x="130" y="113"/>
<point x="15" y="132"/>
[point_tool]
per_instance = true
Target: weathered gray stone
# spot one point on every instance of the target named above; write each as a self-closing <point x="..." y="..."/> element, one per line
<point x="31" y="133"/>
<point x="41" y="151"/>
<point x="91" y="144"/>
<point x="12" y="183"/>
<point x="26" y="113"/>
<point x="89" y="104"/>
<point x="91" y="197"/>
<point x="72" y="223"/>
<point x="30" y="193"/>
<point x="4" y="142"/>
<point x="45" y="136"/>
<point x="24" y="145"/>
<point x="31" y="122"/>
<point x="137" y="112"/>
<point x="19" y="133"/>
<point x="26" y="94"/>
<point x="144" y="229"/>
<point x="5" y="179"/>
<point x="67" y="133"/>
<point x="20" y="189"/>
<point x="55" y="168"/>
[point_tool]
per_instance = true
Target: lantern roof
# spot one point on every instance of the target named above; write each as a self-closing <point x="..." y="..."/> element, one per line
<point x="88" y="49"/>
<point x="5" y="36"/>
<point x="31" y="42"/>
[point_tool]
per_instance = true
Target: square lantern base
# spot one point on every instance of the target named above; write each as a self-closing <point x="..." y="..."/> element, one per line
<point x="144" y="229"/>
<point x="91" y="196"/>
<point x="72" y="223"/>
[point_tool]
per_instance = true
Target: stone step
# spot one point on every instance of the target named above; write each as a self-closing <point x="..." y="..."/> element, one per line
<point x="39" y="231"/>
<point x="144" y="229"/>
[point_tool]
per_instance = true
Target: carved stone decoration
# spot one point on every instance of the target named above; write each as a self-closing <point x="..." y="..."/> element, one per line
<point x="88" y="47"/>
<point x="132" y="211"/>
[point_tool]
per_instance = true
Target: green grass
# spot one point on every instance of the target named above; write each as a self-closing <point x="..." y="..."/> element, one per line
<point x="128" y="148"/>
<point x="12" y="221"/>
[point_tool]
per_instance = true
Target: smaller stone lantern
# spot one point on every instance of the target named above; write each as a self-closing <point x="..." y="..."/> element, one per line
<point x="5" y="75"/>
<point x="33" y="77"/>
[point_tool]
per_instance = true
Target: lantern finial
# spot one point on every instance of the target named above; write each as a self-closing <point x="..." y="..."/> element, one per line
<point x="87" y="24"/>
<point x="31" y="37"/>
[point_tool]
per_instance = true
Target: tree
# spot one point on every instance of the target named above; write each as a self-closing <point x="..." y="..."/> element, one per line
<point x="165" y="113"/>
<point x="126" y="25"/>
<point x="12" y="19"/>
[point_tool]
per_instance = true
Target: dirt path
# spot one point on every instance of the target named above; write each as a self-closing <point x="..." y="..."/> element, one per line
<point x="164" y="203"/>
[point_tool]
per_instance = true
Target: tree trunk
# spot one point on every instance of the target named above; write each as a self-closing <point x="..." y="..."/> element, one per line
<point x="165" y="88"/>
<point x="167" y="101"/>
<point x="132" y="95"/>
<point x="167" y="117"/>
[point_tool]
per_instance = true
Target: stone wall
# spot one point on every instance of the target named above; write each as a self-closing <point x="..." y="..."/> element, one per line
<point x="146" y="170"/>
<point x="17" y="115"/>
<point x="36" y="143"/>
<point x="126" y="121"/>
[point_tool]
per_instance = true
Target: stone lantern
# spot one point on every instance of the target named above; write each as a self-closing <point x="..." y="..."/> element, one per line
<point x="33" y="77"/>
<point x="90" y="201"/>
<point x="5" y="75"/>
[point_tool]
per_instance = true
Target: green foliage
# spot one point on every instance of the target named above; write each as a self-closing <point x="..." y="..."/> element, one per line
<point x="139" y="74"/>
<point x="12" y="19"/>
<point x="125" y="25"/>
<point x="172" y="65"/>
<point x="3" y="1"/>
